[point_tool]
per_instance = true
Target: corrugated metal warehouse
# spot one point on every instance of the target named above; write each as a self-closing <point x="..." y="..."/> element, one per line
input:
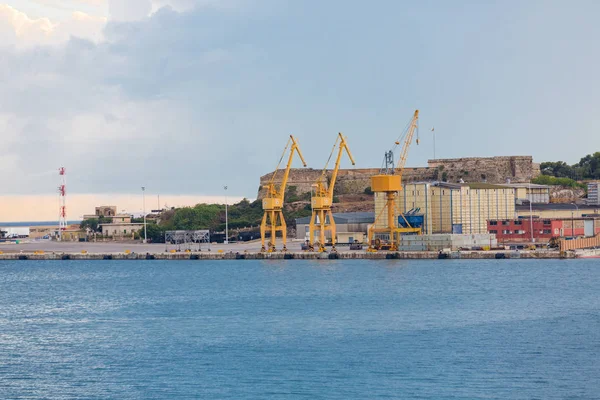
<point x="452" y="208"/>
<point x="346" y="223"/>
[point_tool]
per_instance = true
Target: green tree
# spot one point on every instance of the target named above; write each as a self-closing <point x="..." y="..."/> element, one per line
<point x="91" y="223"/>
<point x="588" y="167"/>
<point x="554" y="181"/>
<point x="154" y="233"/>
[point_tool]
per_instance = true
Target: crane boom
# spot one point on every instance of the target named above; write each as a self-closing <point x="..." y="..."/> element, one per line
<point x="286" y="174"/>
<point x="343" y="146"/>
<point x="409" y="136"/>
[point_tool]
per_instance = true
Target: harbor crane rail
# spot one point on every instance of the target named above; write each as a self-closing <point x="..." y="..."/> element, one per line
<point x="273" y="201"/>
<point x="389" y="182"/>
<point x="321" y="219"/>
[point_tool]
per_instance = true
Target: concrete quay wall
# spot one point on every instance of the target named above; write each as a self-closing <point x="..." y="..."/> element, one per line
<point x="414" y="255"/>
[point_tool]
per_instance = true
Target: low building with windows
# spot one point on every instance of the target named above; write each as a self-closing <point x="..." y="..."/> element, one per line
<point x="102" y="211"/>
<point x="542" y="230"/>
<point x="121" y="230"/>
<point x="593" y="193"/>
<point x="530" y="192"/>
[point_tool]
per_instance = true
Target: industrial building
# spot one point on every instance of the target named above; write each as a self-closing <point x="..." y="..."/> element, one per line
<point x="451" y="208"/>
<point x="593" y="193"/>
<point x="529" y="192"/>
<point x="350" y="226"/>
<point x="544" y="229"/>
<point x="557" y="210"/>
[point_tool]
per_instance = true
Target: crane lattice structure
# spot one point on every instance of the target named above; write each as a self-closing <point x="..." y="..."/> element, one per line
<point x="190" y="240"/>
<point x="273" y="201"/>
<point x="389" y="182"/>
<point x="321" y="219"/>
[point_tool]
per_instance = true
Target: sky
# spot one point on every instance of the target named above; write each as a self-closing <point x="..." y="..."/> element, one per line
<point x="187" y="96"/>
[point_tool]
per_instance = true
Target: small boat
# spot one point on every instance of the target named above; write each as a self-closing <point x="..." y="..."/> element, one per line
<point x="587" y="253"/>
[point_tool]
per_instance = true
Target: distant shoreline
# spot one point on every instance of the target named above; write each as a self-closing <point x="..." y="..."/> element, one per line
<point x="34" y="223"/>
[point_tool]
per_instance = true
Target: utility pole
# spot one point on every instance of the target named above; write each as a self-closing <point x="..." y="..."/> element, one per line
<point x="433" y="130"/>
<point x="62" y="193"/>
<point x="226" y="218"/>
<point x="573" y="220"/>
<point x="144" y="211"/>
<point x="531" y="212"/>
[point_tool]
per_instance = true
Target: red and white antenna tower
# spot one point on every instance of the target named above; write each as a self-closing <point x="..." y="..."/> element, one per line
<point x="62" y="195"/>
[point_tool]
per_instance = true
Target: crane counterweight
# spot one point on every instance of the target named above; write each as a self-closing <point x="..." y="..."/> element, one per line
<point x="389" y="183"/>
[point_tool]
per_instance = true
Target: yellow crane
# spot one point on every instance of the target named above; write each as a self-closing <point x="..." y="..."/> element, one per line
<point x="389" y="182"/>
<point x="273" y="201"/>
<point x="321" y="219"/>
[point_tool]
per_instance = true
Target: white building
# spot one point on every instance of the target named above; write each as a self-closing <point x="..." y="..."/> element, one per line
<point x="594" y="193"/>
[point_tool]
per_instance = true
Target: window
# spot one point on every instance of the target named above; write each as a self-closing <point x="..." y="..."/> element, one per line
<point x="505" y="223"/>
<point x="547" y="231"/>
<point x="493" y="231"/>
<point x="506" y="232"/>
<point x="518" y="222"/>
<point x="546" y="222"/>
<point x="493" y="222"/>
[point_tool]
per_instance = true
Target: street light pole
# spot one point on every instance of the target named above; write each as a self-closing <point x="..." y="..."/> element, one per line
<point x="226" y="218"/>
<point x="144" y="211"/>
<point x="573" y="220"/>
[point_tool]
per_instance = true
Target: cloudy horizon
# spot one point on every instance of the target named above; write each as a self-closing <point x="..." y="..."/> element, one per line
<point x="186" y="96"/>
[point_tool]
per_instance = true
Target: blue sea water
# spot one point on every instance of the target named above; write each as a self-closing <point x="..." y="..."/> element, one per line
<point x="451" y="329"/>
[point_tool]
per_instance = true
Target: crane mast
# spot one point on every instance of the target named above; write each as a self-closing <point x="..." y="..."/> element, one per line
<point x="321" y="219"/>
<point x="274" y="199"/>
<point x="389" y="182"/>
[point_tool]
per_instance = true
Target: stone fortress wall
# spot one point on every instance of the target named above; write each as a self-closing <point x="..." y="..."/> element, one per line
<point x="495" y="170"/>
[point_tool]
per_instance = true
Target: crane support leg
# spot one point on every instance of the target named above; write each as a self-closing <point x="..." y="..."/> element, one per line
<point x="391" y="211"/>
<point x="311" y="232"/>
<point x="263" y="232"/>
<point x="273" y="231"/>
<point x="332" y="229"/>
<point x="283" y="228"/>
<point x="322" y="229"/>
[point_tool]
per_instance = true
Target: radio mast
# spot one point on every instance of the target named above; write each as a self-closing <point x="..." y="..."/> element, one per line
<point x="62" y="199"/>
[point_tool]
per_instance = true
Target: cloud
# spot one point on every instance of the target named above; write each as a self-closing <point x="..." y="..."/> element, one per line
<point x="129" y="10"/>
<point x="18" y="29"/>
<point x="154" y="103"/>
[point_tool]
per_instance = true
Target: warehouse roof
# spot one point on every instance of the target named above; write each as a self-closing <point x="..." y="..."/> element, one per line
<point x="346" y="218"/>
<point x="556" y="207"/>
<point x="483" y="185"/>
<point x="526" y="185"/>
